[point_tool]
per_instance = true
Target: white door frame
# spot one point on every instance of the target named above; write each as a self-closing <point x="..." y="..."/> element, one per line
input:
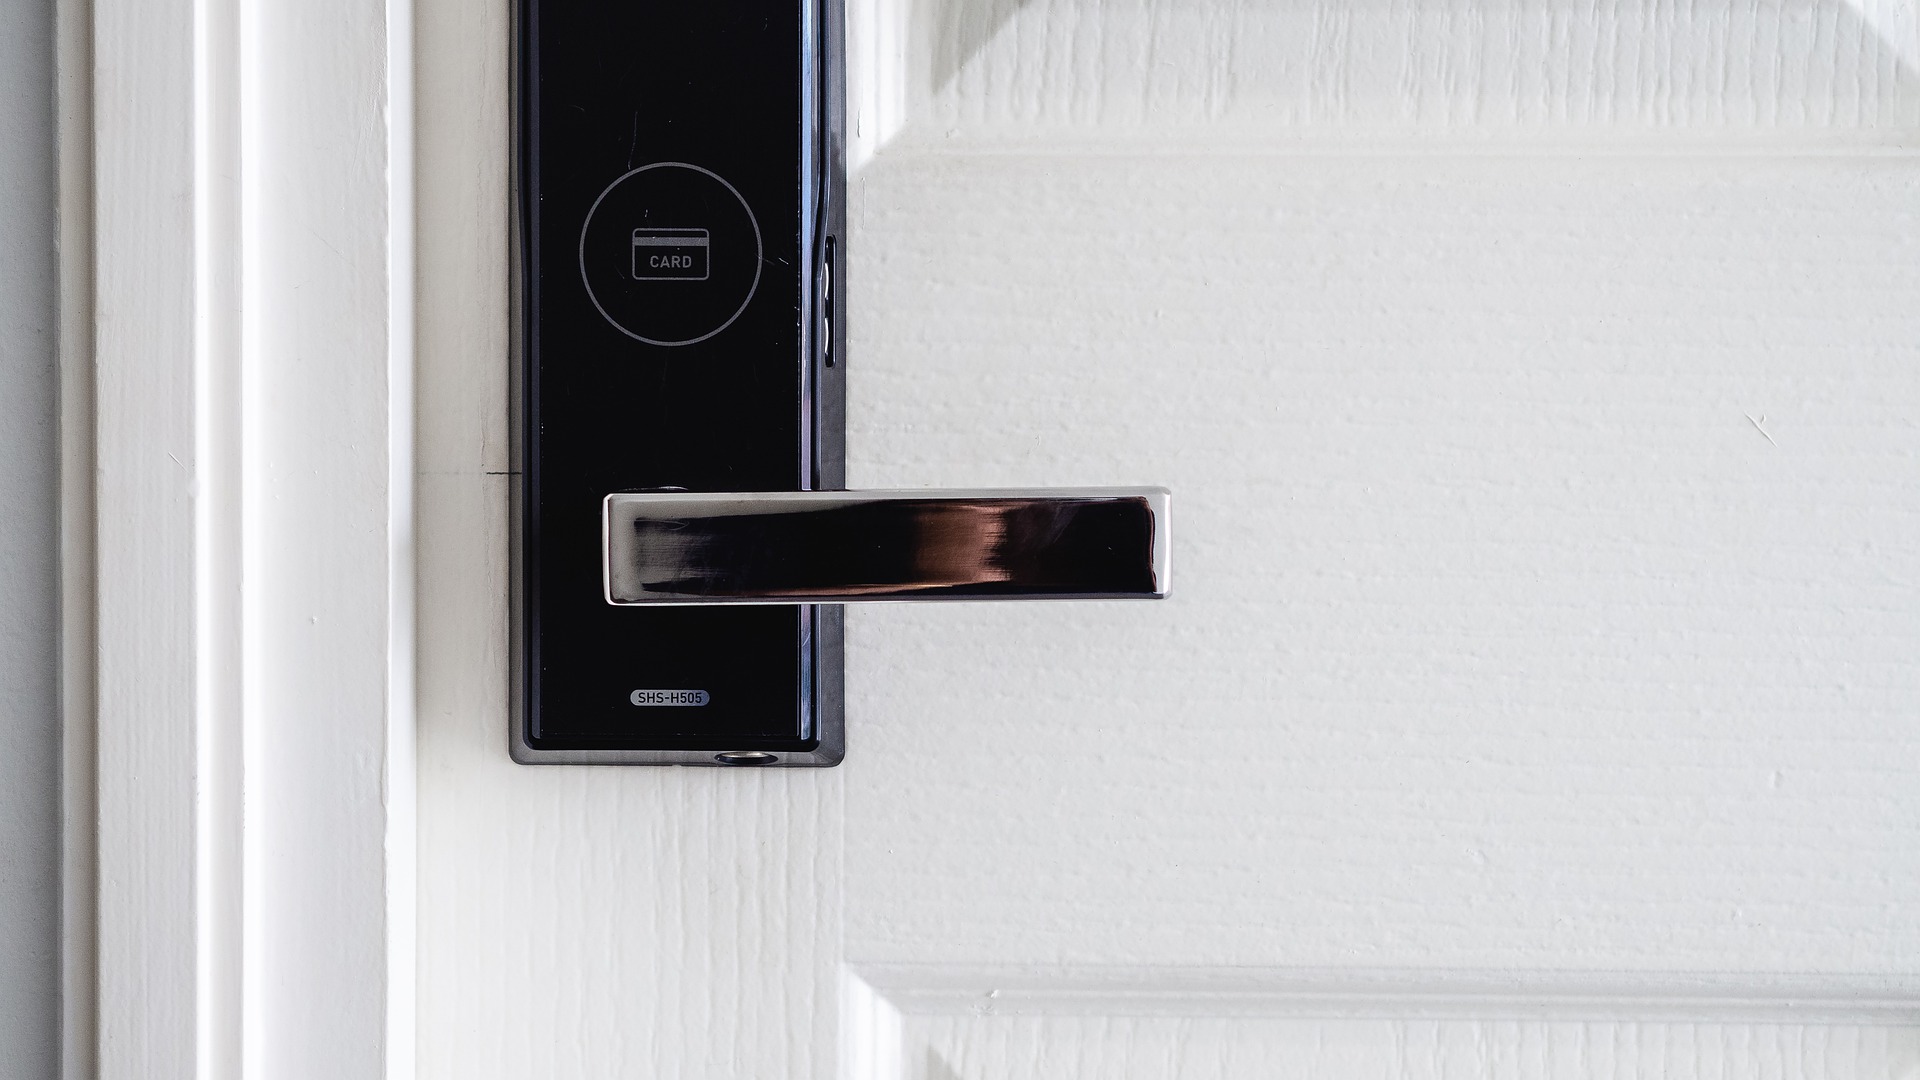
<point x="237" y="270"/>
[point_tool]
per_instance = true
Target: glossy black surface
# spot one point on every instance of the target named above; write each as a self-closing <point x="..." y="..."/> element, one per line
<point x="673" y="163"/>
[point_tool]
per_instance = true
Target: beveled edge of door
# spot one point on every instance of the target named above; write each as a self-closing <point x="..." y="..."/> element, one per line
<point x="1256" y="992"/>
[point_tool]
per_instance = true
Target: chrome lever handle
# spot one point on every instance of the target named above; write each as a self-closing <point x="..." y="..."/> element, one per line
<point x="831" y="547"/>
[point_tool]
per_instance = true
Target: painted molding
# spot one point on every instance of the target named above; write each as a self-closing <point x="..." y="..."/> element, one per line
<point x="1086" y="75"/>
<point x="1263" y="992"/>
<point x="943" y="1022"/>
<point x="251" y="538"/>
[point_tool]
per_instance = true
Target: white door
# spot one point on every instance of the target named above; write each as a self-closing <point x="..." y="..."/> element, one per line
<point x="1539" y="387"/>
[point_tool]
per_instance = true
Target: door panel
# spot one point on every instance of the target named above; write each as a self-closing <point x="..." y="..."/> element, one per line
<point x="1535" y="383"/>
<point x="1543" y="563"/>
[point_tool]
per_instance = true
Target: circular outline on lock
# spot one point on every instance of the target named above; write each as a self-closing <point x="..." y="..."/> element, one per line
<point x="759" y="252"/>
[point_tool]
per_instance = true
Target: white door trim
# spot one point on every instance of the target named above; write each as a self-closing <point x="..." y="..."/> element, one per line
<point x="247" y="498"/>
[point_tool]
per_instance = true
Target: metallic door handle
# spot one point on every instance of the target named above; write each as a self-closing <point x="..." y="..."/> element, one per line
<point x="815" y="547"/>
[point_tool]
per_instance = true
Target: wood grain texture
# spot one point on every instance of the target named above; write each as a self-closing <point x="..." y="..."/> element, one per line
<point x="1545" y="589"/>
<point x="599" y="922"/>
<point x="149" y="580"/>
<point x="1110" y="1048"/>
<point x="1239" y="70"/>
<point x="329" y="540"/>
<point x="252" y="541"/>
<point x="1254" y="992"/>
<point x="942" y="1023"/>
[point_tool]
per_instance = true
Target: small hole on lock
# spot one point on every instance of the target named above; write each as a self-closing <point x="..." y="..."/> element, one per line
<point x="745" y="757"/>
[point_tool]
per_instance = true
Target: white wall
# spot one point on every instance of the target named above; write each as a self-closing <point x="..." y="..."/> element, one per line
<point x="29" y="717"/>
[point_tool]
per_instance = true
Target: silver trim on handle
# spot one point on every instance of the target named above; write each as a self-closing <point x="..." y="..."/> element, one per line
<point x="830" y="547"/>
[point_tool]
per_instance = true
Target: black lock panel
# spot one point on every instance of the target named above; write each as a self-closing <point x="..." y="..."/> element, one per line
<point x="677" y="201"/>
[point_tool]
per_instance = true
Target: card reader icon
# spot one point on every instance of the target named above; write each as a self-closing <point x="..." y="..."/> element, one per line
<point x="670" y="254"/>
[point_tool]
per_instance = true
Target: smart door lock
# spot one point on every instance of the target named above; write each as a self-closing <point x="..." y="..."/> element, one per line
<point x="681" y="543"/>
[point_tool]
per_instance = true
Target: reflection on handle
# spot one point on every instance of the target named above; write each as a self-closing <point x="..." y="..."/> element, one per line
<point x="827" y="547"/>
